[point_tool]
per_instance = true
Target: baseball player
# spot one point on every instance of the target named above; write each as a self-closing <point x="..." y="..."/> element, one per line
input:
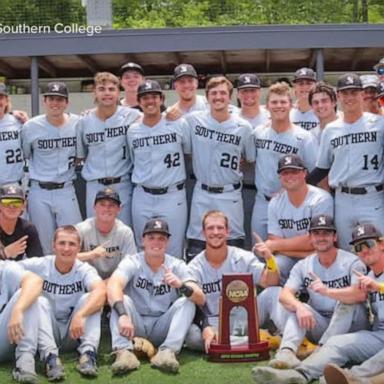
<point x="101" y="141"/>
<point x="105" y="240"/>
<point x="369" y="84"/>
<point x="329" y="278"/>
<point x="354" y="347"/>
<point x="131" y="75"/>
<point x="144" y="294"/>
<point x="302" y="114"/>
<point x="49" y="143"/>
<point x="210" y="265"/>
<point x="156" y="148"/>
<point x="74" y="295"/>
<point x="219" y="141"/>
<point x="379" y="68"/>
<point x="19" y="291"/>
<point x="380" y="96"/>
<point x="290" y="212"/>
<point x="351" y="151"/>
<point x="12" y="162"/>
<point x="18" y="236"/>
<point x="271" y="141"/>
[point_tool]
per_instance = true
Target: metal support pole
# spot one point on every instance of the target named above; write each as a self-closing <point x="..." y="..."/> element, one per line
<point x="35" y="86"/>
<point x="319" y="64"/>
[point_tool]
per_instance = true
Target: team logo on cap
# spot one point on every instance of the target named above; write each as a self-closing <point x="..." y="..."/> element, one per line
<point x="55" y="87"/>
<point x="302" y="72"/>
<point x="183" y="68"/>
<point x="148" y="86"/>
<point x="247" y="79"/>
<point x="349" y="80"/>
<point x="360" y="230"/>
<point x="288" y="160"/>
<point x="321" y="220"/>
<point x="157" y="225"/>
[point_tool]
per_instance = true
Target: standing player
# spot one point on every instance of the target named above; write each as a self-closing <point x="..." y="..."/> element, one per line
<point x="18" y="236"/>
<point x="144" y="294"/>
<point x="105" y="240"/>
<point x="354" y="347"/>
<point x="74" y="295"/>
<point x="290" y="213"/>
<point x="351" y="151"/>
<point x="302" y="114"/>
<point x="329" y="278"/>
<point x="132" y="75"/>
<point x="101" y="141"/>
<point x="271" y="141"/>
<point x="379" y="68"/>
<point x="370" y="83"/>
<point x="220" y="141"/>
<point x="12" y="162"/>
<point x="49" y="143"/>
<point x="156" y="149"/>
<point x="19" y="316"/>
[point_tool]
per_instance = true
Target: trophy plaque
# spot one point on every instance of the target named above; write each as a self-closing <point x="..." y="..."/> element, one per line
<point x="238" y="291"/>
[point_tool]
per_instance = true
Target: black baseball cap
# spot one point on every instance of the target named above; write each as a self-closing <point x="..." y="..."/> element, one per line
<point x="379" y="64"/>
<point x="369" y="81"/>
<point x="131" y="67"/>
<point x="305" y="73"/>
<point x="12" y="191"/>
<point x="248" y="80"/>
<point x="56" y="88"/>
<point x="184" y="70"/>
<point x="380" y="89"/>
<point x="322" y="222"/>
<point x="3" y="89"/>
<point x="290" y="162"/>
<point x="108" y="193"/>
<point x="156" y="226"/>
<point x="365" y="231"/>
<point x="149" y="86"/>
<point x="349" y="81"/>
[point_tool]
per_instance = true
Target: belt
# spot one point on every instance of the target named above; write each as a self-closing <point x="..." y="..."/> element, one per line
<point x="50" y="186"/>
<point x="164" y="190"/>
<point x="268" y="198"/>
<point x="109" y="180"/>
<point x="361" y="190"/>
<point x="207" y="188"/>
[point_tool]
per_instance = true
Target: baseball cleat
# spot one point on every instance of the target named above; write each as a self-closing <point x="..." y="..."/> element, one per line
<point x="125" y="361"/>
<point x="87" y="364"/>
<point x="284" y="359"/>
<point x="165" y="360"/>
<point x="267" y="375"/>
<point x="26" y="377"/>
<point x="54" y="368"/>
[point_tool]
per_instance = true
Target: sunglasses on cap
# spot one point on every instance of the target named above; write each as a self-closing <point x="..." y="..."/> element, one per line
<point x="15" y="203"/>
<point x="367" y="243"/>
<point x="380" y="71"/>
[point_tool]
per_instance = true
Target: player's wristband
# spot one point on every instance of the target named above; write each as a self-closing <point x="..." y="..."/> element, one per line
<point x="272" y="265"/>
<point x="381" y="288"/>
<point x="186" y="290"/>
<point x="119" y="308"/>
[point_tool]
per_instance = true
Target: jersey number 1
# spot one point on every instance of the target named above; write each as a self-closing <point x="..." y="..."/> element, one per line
<point x="374" y="161"/>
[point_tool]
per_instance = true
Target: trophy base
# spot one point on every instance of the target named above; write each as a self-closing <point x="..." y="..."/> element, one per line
<point x="222" y="353"/>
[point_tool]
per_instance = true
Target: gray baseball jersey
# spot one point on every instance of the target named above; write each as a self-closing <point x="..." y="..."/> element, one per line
<point x="120" y="244"/>
<point x="103" y="143"/>
<point x="12" y="162"/>
<point x="353" y="152"/>
<point x="62" y="290"/>
<point x="262" y="117"/>
<point x="51" y="150"/>
<point x="11" y="275"/>
<point x="210" y="279"/>
<point x="285" y="220"/>
<point x="338" y="275"/>
<point x="306" y="120"/>
<point x="200" y="104"/>
<point x="376" y="300"/>
<point x="146" y="288"/>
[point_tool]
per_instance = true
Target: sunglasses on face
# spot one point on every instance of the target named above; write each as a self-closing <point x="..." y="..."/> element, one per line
<point x="368" y="243"/>
<point x="380" y="71"/>
<point x="14" y="203"/>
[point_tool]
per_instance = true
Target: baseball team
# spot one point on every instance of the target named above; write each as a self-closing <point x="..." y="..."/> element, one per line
<point x="148" y="260"/>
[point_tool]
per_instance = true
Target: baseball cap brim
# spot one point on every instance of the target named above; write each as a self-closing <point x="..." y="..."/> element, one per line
<point x="55" y="94"/>
<point x="290" y="167"/>
<point x="244" y="86"/>
<point x="350" y="87"/>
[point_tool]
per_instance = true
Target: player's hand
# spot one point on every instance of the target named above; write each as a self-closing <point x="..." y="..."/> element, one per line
<point x="101" y="250"/>
<point x="260" y="248"/>
<point x="126" y="327"/>
<point x="21" y="116"/>
<point x="366" y="283"/>
<point x="15" y="327"/>
<point x="16" y="248"/>
<point x="317" y="285"/>
<point x="77" y="326"/>
<point x="305" y="317"/>
<point x="173" y="113"/>
<point x="209" y="335"/>
<point x="170" y="278"/>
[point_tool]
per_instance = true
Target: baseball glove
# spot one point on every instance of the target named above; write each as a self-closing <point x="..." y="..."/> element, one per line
<point x="143" y="348"/>
<point x="306" y="348"/>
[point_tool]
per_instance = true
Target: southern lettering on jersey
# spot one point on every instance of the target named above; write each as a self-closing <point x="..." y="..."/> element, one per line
<point x="222" y="137"/>
<point x="99" y="137"/>
<point x="212" y="287"/>
<point x="154" y="290"/>
<point x="299" y="225"/>
<point x="375" y="297"/>
<point x="354" y="138"/>
<point x="9" y="135"/>
<point x="61" y="142"/>
<point x="63" y="289"/>
<point x="149" y="141"/>
<point x="275" y="146"/>
<point x="341" y="282"/>
<point x="307" y="125"/>
<point x="112" y="251"/>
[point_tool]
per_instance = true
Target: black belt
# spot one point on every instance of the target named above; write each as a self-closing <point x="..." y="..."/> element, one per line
<point x="109" y="180"/>
<point x="360" y="190"/>
<point x="268" y="198"/>
<point x="161" y="191"/>
<point x="50" y="186"/>
<point x="207" y="188"/>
